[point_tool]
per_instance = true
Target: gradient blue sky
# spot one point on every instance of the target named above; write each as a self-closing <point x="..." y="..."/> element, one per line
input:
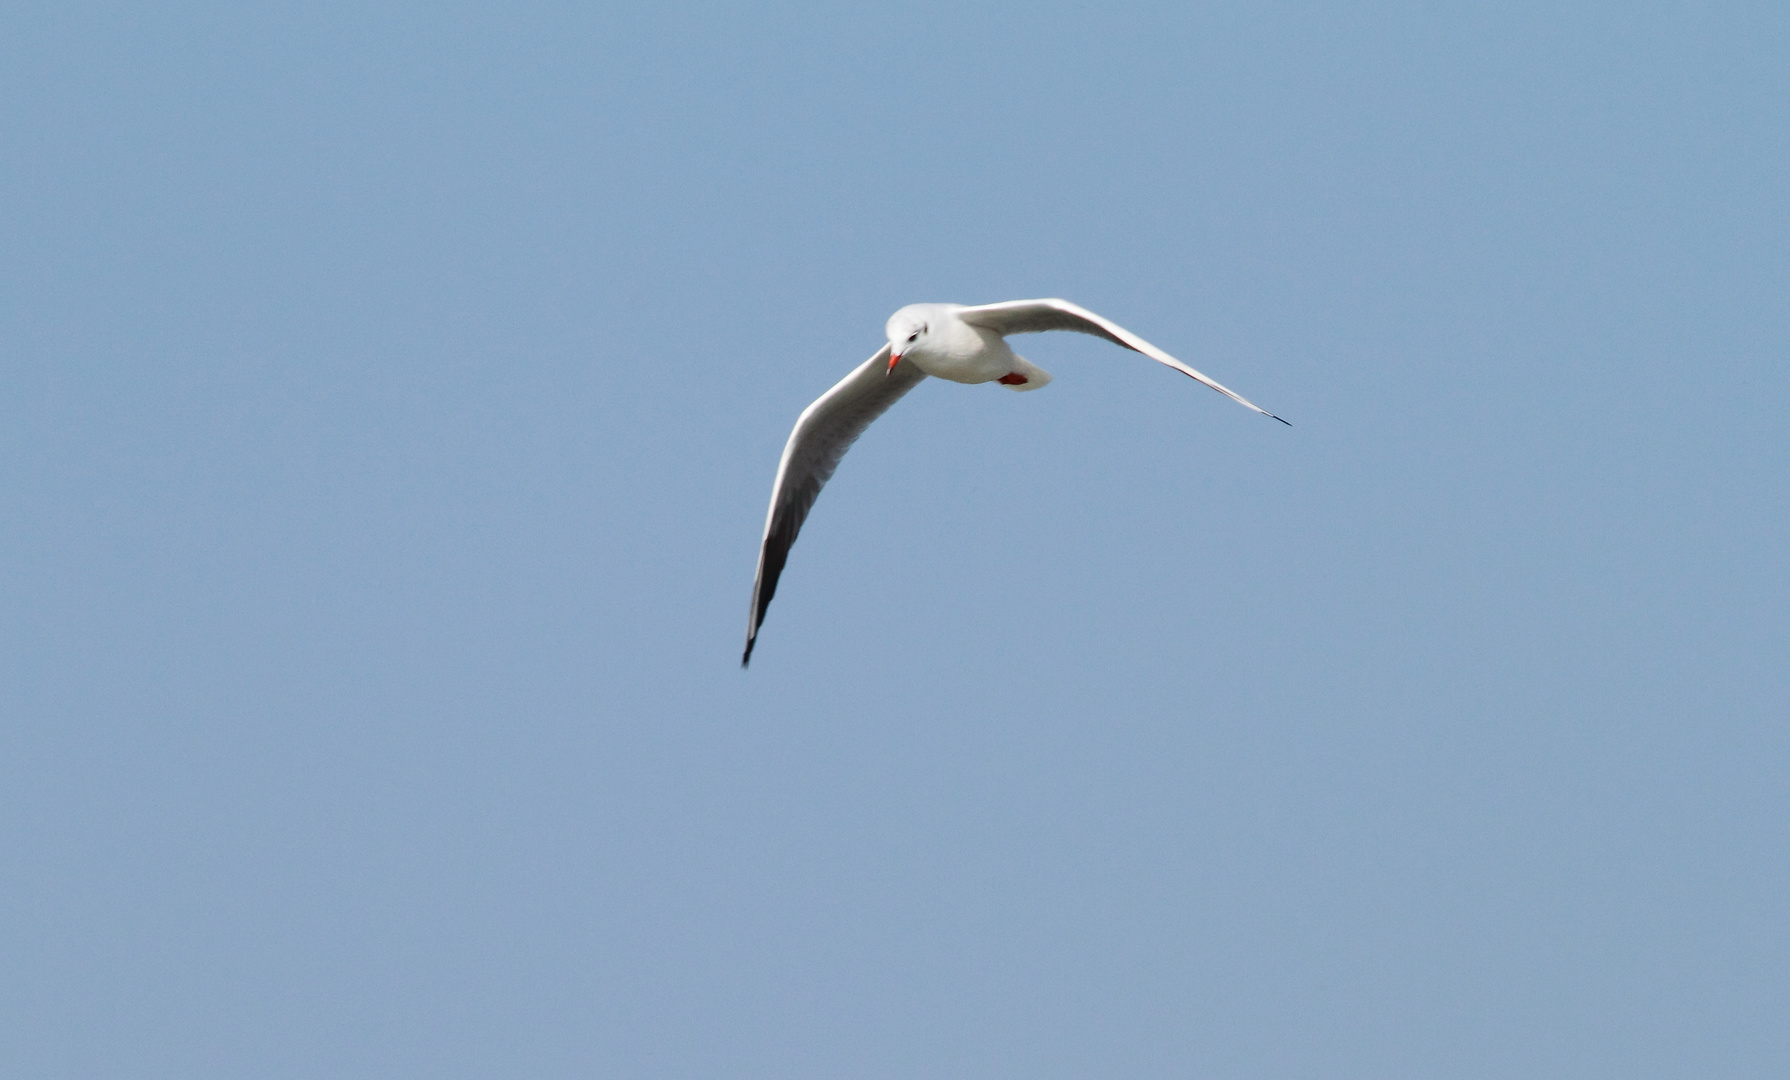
<point x="389" y="397"/>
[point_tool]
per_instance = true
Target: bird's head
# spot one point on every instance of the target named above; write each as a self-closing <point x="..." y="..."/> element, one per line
<point x="907" y="330"/>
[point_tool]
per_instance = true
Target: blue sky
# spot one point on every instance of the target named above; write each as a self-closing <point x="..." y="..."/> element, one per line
<point x="389" y="397"/>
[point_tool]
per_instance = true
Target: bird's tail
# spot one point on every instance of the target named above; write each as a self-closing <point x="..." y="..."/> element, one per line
<point x="1024" y="376"/>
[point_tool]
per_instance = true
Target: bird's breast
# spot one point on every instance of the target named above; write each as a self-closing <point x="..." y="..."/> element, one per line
<point x="967" y="357"/>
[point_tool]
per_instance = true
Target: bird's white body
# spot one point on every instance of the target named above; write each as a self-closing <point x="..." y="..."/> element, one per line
<point x="951" y="341"/>
<point x="947" y="347"/>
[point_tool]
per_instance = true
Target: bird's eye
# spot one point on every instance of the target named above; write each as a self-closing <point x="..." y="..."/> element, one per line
<point x="913" y="335"/>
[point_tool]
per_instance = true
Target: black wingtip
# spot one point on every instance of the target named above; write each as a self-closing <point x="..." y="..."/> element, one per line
<point x="1282" y="421"/>
<point x="746" y="659"/>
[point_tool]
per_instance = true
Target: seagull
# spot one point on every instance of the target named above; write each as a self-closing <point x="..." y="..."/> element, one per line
<point x="950" y="341"/>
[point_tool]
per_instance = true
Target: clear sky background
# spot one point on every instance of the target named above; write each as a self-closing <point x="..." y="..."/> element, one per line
<point x="389" y="399"/>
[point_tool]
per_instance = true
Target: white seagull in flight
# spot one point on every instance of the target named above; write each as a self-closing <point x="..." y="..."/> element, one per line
<point x="963" y="344"/>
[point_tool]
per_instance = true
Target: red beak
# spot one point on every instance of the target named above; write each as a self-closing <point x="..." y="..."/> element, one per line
<point x="894" y="358"/>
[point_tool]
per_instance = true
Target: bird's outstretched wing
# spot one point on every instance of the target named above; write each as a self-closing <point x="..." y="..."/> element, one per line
<point x="1035" y="316"/>
<point x="823" y="433"/>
